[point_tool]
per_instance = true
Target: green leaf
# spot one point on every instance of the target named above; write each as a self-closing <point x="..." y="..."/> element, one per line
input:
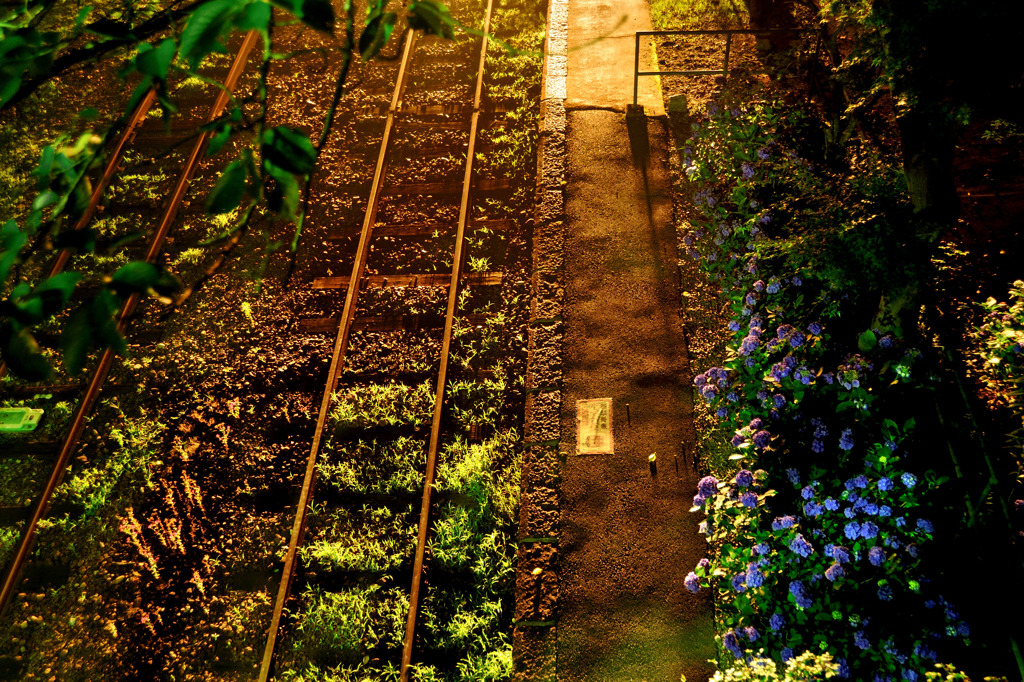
<point x="318" y="14"/>
<point x="55" y="292"/>
<point x="135" y="277"/>
<point x="19" y="350"/>
<point x="227" y="193"/>
<point x="255" y="17"/>
<point x="91" y="326"/>
<point x="83" y="240"/>
<point x="867" y="341"/>
<point x="289" y="150"/>
<point x="283" y="198"/>
<point x="11" y="241"/>
<point x="204" y="28"/>
<point x="431" y="17"/>
<point x="155" y="62"/>
<point x="376" y="34"/>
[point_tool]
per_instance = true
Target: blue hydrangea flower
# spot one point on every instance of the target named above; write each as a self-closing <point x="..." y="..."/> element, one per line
<point x="699" y="500"/>
<point x="744" y="478"/>
<point x="849" y="512"/>
<point x="912" y="550"/>
<point x="754" y="577"/>
<point x="909" y="480"/>
<point x="885" y="593"/>
<point x="739" y="582"/>
<point x="773" y="286"/>
<point x="834" y="572"/>
<point x="925" y="525"/>
<point x="831" y="504"/>
<point x="817" y="446"/>
<point x="748" y="499"/>
<point x="779" y="400"/>
<point x="751" y="633"/>
<point x="813" y="509"/>
<point x="783" y="522"/>
<point x="844" y="668"/>
<point x="707" y="486"/>
<point x="868" y="530"/>
<point x="787" y="654"/>
<point x="731" y="642"/>
<point x="793" y="475"/>
<point x="800" y="546"/>
<point x="852" y="530"/>
<point x="762" y="439"/>
<point x="799" y="592"/>
<point x="692" y="582"/>
<point x="884" y="511"/>
<point x="734" y="325"/>
<point x="900" y="522"/>
<point x="761" y="549"/>
<point x="722" y="412"/>
<point x="814" y="328"/>
<point x="861" y="640"/>
<point x="876" y="555"/>
<point x="963" y="629"/>
<point x="846" y="439"/>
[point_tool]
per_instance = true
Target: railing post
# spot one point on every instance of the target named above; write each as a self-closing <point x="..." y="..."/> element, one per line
<point x="636" y="67"/>
<point x="728" y="45"/>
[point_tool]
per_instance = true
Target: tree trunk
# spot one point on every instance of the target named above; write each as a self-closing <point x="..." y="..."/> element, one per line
<point x="928" y="148"/>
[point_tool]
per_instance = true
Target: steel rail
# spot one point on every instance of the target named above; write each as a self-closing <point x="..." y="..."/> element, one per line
<point x="127" y="135"/>
<point x="337" y="364"/>
<point x="85" y="405"/>
<point x="442" y="378"/>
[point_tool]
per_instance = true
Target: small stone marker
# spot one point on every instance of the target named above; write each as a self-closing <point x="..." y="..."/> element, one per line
<point x="594" y="427"/>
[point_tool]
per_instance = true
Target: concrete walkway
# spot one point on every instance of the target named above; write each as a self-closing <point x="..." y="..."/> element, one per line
<point x="627" y="539"/>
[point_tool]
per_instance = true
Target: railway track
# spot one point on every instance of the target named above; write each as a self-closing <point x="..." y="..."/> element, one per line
<point x="89" y="393"/>
<point x="393" y="316"/>
<point x="350" y="321"/>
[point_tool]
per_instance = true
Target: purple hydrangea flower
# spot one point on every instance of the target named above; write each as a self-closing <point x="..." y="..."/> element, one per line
<point x="692" y="582"/>
<point x="876" y="555"/>
<point x="699" y="500"/>
<point x="763" y="154"/>
<point x="703" y="563"/>
<point x="707" y="486"/>
<point x="744" y="478"/>
<point x="751" y="633"/>
<point x="748" y="499"/>
<point x="762" y="439"/>
<point x="834" y="572"/>
<point x="759" y="286"/>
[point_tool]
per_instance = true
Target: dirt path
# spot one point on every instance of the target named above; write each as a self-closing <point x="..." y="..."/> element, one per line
<point x="626" y="538"/>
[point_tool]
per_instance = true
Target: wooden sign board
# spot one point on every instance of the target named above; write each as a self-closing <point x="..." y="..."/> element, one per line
<point x="594" y="427"/>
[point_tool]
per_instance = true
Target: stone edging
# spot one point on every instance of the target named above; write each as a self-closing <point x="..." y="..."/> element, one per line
<point x="534" y="637"/>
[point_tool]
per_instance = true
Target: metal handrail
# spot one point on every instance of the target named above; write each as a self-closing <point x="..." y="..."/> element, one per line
<point x="724" y="71"/>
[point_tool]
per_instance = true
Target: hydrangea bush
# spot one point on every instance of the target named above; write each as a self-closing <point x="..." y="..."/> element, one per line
<point x="817" y="538"/>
